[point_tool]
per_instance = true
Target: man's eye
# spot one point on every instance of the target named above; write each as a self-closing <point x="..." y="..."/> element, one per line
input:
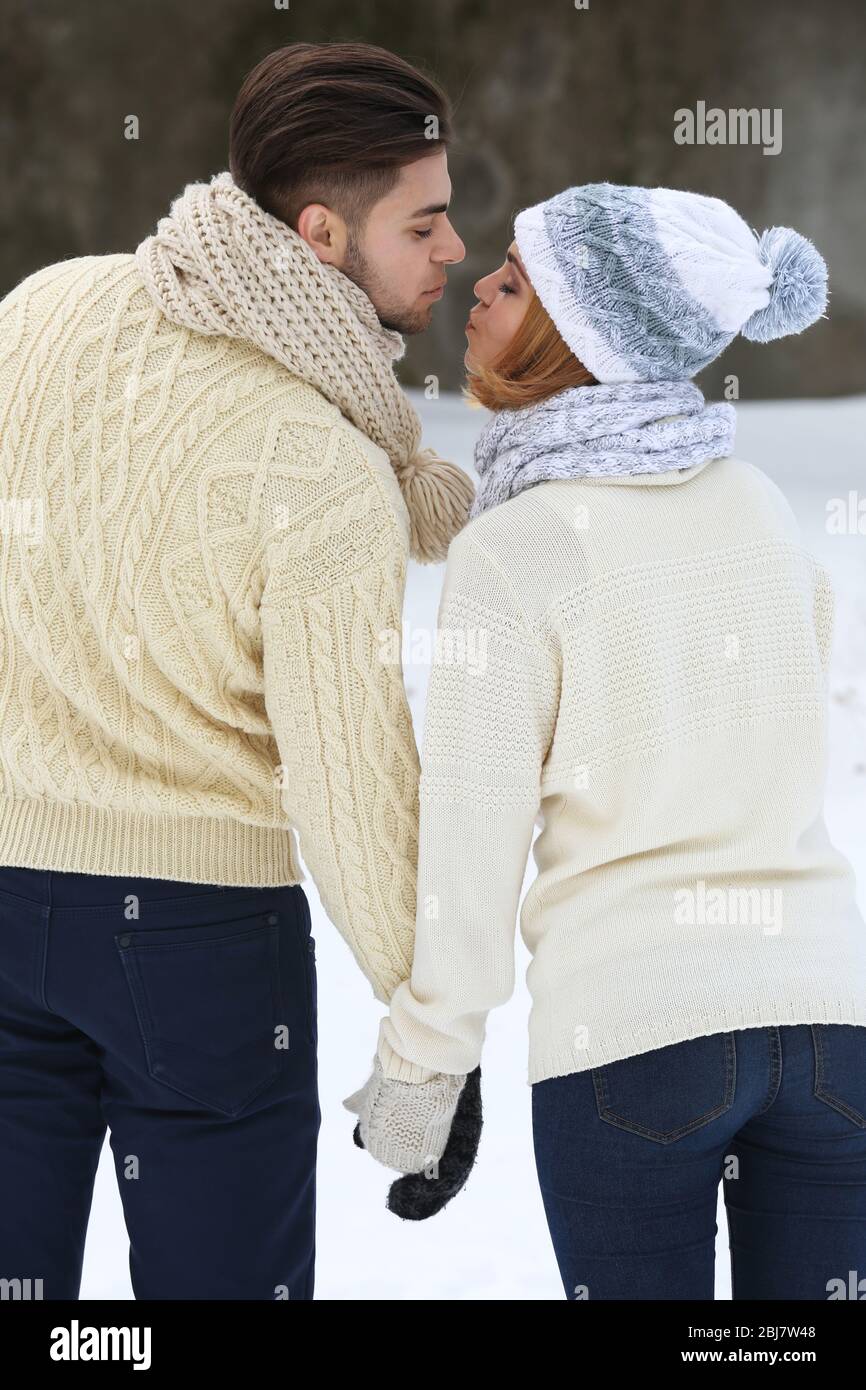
<point x="429" y="232"/>
<point x="506" y="289"/>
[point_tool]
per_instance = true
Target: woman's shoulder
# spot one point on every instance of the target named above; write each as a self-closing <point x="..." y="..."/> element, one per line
<point x="746" y="484"/>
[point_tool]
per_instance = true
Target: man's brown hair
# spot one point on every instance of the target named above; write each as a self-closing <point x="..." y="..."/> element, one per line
<point x="332" y="123"/>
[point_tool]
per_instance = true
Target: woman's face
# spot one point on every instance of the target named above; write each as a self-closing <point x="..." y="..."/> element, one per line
<point x="503" y="300"/>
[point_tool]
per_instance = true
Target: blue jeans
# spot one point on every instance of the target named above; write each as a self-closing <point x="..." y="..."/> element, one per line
<point x="629" y="1158"/>
<point x="181" y="1016"/>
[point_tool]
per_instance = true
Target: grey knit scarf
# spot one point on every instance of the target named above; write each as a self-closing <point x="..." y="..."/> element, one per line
<point x="599" y="431"/>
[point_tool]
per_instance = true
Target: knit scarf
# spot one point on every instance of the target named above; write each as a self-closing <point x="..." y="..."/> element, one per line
<point x="599" y="431"/>
<point x="220" y="264"/>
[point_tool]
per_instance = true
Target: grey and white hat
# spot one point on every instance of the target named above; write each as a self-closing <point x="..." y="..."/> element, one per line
<point x="650" y="284"/>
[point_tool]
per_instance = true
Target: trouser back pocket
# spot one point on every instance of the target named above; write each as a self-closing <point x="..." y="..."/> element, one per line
<point x="209" y="1007"/>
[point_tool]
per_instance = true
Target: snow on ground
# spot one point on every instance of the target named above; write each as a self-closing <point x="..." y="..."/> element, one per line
<point x="491" y="1243"/>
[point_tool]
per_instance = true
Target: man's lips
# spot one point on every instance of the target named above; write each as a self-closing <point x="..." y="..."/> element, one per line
<point x="435" y="294"/>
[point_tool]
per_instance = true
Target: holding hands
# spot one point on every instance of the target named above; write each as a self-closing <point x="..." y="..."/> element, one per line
<point x="428" y="1130"/>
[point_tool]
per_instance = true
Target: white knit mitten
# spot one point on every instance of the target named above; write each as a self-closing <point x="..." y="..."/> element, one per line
<point x="405" y="1125"/>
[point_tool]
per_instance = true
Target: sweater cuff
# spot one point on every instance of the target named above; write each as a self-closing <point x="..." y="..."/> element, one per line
<point x="397" y="1068"/>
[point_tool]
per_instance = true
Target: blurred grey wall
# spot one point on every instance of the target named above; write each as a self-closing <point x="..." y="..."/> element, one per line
<point x="545" y="95"/>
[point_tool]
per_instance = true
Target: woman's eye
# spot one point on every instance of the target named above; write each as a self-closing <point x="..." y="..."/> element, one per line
<point x="429" y="232"/>
<point x="506" y="289"/>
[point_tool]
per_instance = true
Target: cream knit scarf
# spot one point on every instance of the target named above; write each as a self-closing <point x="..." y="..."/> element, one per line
<point x="220" y="264"/>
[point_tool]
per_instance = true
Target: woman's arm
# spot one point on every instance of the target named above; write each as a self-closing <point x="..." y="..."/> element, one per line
<point x="491" y="711"/>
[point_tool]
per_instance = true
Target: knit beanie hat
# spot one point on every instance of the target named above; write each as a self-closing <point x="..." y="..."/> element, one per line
<point x="649" y="284"/>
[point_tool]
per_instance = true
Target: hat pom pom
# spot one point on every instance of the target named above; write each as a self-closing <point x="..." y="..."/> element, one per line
<point x="438" y="496"/>
<point x="798" y="293"/>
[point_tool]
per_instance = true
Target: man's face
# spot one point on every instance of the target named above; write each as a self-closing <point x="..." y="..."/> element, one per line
<point x="405" y="245"/>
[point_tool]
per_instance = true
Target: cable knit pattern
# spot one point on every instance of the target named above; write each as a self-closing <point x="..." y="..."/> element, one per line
<point x="199" y="556"/>
<point x="405" y="1125"/>
<point x="649" y="284"/>
<point x="636" y="664"/>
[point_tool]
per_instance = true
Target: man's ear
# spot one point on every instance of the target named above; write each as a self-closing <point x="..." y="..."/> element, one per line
<point x="324" y="231"/>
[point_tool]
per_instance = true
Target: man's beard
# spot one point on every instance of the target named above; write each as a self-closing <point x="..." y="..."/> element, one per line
<point x="390" y="312"/>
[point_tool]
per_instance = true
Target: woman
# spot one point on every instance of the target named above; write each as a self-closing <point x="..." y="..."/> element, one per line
<point x="641" y="648"/>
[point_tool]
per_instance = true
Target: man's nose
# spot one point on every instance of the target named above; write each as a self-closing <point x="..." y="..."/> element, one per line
<point x="454" y="249"/>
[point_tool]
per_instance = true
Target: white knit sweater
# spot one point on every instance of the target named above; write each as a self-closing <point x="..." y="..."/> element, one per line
<point x="642" y="660"/>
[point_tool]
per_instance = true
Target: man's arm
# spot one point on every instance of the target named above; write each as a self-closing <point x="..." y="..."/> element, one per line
<point x="331" y="612"/>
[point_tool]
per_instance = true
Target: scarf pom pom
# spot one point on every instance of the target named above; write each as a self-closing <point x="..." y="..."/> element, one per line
<point x="438" y="496"/>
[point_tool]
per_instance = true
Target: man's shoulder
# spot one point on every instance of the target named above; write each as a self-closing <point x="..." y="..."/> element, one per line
<point x="355" y="462"/>
<point x="72" y="277"/>
<point x="342" y="481"/>
<point x="356" y="474"/>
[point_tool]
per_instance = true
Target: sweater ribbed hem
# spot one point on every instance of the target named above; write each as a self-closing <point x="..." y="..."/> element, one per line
<point x="72" y="837"/>
<point x="565" y="1059"/>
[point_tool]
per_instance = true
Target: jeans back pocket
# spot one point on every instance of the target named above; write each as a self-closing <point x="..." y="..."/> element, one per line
<point x="207" y="1000"/>
<point x="840" y="1068"/>
<point x="670" y="1091"/>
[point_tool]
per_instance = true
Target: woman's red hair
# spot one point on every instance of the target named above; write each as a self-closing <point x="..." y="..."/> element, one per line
<point x="537" y="363"/>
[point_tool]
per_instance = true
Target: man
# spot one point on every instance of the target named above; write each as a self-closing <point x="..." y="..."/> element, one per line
<point x="227" y="483"/>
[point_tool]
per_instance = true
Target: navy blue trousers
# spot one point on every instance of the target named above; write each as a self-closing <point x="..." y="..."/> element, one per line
<point x="630" y="1157"/>
<point x="182" y="1017"/>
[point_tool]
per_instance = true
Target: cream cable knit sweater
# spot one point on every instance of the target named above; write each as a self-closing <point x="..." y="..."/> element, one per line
<point x="199" y="555"/>
<point x="639" y="662"/>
